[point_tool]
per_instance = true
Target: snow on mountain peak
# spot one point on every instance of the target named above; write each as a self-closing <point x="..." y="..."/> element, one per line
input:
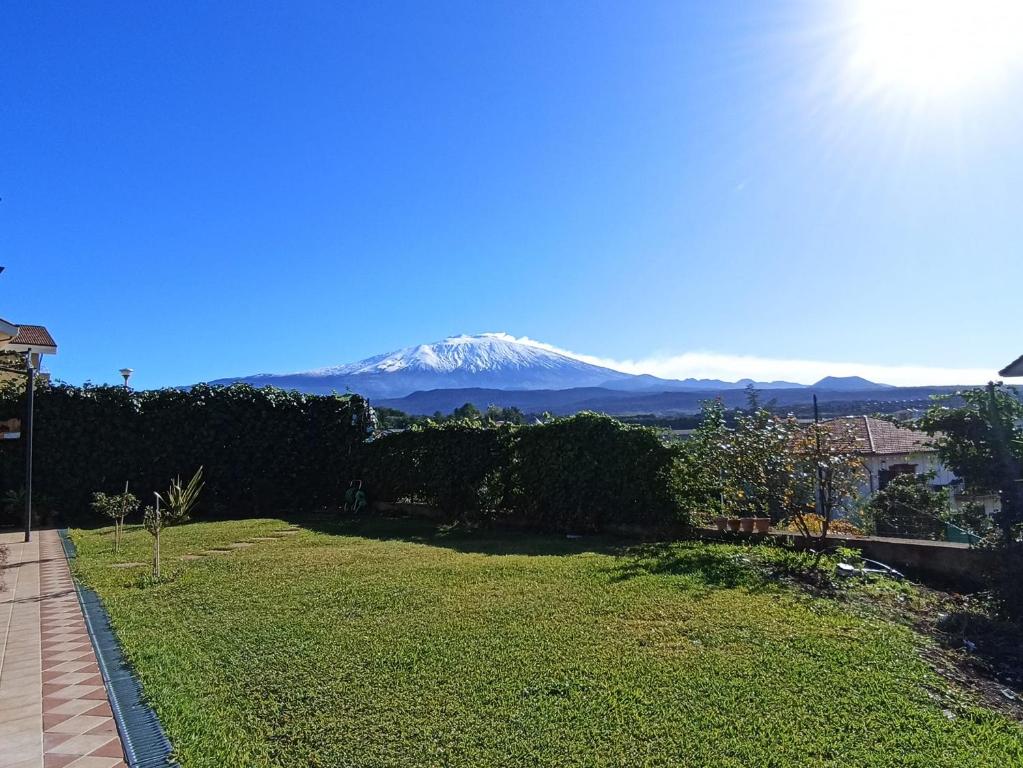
<point x="471" y="354"/>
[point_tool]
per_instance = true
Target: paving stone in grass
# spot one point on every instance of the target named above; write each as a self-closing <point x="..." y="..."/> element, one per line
<point x="191" y="557"/>
<point x="240" y="545"/>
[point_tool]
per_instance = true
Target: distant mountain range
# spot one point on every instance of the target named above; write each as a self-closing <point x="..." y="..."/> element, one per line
<point x="495" y="361"/>
<point x="498" y="369"/>
<point x="624" y="403"/>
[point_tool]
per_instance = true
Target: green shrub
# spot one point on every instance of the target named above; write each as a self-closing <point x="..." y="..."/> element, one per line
<point x="587" y="471"/>
<point x="576" y="474"/>
<point x="455" y="467"/>
<point x="908" y="507"/>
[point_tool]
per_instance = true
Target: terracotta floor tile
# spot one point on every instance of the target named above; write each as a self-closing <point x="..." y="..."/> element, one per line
<point x="57" y="761"/>
<point x="71" y="707"/>
<point x="81" y="744"/>
<point x="77" y="724"/>
<point x="111" y="749"/>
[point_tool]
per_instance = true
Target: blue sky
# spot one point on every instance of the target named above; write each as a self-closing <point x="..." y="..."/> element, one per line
<point x="199" y="190"/>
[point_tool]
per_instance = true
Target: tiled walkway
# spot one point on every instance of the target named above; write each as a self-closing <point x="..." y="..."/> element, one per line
<point x="54" y="710"/>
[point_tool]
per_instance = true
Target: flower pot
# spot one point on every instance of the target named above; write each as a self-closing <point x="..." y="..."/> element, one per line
<point x="720" y="522"/>
<point x="761" y="524"/>
<point x="732" y="524"/>
<point x="746" y="524"/>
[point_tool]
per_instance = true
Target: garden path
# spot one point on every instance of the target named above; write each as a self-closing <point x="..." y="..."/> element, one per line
<point x="54" y="710"/>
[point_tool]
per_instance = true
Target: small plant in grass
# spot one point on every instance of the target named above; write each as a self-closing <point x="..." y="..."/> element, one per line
<point x="178" y="505"/>
<point x="117" y="507"/>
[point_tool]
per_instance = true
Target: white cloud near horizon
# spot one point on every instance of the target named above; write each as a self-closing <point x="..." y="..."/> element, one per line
<point x="728" y="367"/>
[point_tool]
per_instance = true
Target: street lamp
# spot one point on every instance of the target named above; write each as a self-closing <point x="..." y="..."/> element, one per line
<point x="126" y="373"/>
<point x="29" y="409"/>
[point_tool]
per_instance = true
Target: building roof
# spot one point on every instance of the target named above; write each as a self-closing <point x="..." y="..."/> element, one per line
<point x="1015" y="368"/>
<point x="879" y="437"/>
<point x="34" y="336"/>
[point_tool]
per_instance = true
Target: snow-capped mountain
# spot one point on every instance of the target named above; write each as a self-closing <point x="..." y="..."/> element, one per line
<point x="492" y="360"/>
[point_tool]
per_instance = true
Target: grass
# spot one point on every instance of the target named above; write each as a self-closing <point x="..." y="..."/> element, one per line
<point x="391" y="644"/>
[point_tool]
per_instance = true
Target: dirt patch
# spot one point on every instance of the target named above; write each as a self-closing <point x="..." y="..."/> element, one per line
<point x="980" y="654"/>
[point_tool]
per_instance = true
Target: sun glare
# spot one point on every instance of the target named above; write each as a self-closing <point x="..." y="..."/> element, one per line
<point x="936" y="48"/>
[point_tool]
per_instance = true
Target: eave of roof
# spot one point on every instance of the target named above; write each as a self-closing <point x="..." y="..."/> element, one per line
<point x="34" y="337"/>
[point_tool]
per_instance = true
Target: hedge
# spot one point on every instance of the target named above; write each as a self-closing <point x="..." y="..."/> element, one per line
<point x="263" y="450"/>
<point x="266" y="450"/>
<point x="578" y="474"/>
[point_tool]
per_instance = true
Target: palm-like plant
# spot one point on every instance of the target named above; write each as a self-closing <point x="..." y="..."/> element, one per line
<point x="178" y="505"/>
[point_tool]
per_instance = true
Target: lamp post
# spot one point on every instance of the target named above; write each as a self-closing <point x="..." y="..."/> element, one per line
<point x="126" y="373"/>
<point x="29" y="409"/>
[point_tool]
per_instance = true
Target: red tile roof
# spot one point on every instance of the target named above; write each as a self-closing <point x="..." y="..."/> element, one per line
<point x="33" y="336"/>
<point x="880" y="437"/>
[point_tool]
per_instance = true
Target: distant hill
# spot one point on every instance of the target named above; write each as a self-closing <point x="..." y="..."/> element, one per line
<point x="624" y="403"/>
<point x="848" y="384"/>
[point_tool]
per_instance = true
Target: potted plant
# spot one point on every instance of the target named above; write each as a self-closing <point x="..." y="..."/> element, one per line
<point x="746" y="524"/>
<point x="761" y="525"/>
<point x="721" y="521"/>
<point x="732" y="523"/>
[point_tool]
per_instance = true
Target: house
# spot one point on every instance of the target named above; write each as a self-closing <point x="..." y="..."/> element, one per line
<point x="18" y="340"/>
<point x="1013" y="369"/>
<point x="889" y="450"/>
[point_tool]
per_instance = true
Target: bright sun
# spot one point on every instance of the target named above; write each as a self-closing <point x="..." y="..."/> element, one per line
<point x="934" y="49"/>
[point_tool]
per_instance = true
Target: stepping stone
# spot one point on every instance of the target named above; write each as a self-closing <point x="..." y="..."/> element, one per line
<point x="240" y="545"/>
<point x="288" y="532"/>
<point x="191" y="557"/>
<point x="129" y="565"/>
<point x="266" y="538"/>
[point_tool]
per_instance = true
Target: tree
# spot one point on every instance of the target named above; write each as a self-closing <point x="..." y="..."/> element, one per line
<point x="826" y="471"/>
<point x="907" y="506"/>
<point x="117" y="507"/>
<point x="700" y="474"/>
<point x="982" y="442"/>
<point x="178" y="505"/>
<point x="510" y="415"/>
<point x="756" y="464"/>
<point x="468" y="412"/>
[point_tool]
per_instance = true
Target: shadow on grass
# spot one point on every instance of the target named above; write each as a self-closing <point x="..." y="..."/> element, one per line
<point x="486" y="541"/>
<point x="701" y="563"/>
<point x="705" y="566"/>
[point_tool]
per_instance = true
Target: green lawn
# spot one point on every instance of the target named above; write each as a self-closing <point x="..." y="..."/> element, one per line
<point x="388" y="644"/>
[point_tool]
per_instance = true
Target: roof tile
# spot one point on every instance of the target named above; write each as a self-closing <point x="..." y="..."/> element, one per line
<point x="880" y="437"/>
<point x="33" y="335"/>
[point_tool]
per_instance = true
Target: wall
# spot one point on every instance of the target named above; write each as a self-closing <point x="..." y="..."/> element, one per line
<point x="942" y="561"/>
